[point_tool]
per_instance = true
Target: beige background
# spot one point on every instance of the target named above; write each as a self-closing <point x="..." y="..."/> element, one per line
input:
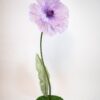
<point x="73" y="58"/>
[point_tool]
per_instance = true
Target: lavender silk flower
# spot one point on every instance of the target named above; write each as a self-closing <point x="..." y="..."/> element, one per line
<point x="51" y="16"/>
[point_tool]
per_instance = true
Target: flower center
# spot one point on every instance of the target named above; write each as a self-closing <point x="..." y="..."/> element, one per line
<point x="50" y="13"/>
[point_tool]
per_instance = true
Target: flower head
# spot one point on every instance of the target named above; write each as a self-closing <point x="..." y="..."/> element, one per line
<point x="51" y="16"/>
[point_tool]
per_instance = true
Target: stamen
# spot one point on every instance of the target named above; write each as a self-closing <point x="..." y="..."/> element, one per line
<point x="50" y="13"/>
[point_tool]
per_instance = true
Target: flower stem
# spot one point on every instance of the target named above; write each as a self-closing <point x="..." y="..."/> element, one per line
<point x="45" y="66"/>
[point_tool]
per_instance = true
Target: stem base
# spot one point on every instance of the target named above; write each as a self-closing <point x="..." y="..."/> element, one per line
<point x="53" y="97"/>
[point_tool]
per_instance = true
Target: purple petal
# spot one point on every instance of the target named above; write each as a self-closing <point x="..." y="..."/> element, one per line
<point x="60" y="22"/>
<point x="34" y="11"/>
<point x="47" y="2"/>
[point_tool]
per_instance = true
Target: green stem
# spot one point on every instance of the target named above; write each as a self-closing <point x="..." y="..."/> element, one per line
<point x="45" y="66"/>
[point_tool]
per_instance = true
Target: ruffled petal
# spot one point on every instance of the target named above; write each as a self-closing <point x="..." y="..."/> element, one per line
<point x="47" y="2"/>
<point x="60" y="21"/>
<point x="34" y="12"/>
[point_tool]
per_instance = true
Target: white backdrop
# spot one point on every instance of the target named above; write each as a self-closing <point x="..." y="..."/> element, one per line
<point x="73" y="58"/>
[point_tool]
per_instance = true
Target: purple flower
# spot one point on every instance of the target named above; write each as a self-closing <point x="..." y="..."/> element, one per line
<point x="51" y="16"/>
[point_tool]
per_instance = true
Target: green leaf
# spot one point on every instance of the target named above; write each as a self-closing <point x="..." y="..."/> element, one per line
<point x="42" y="75"/>
<point x="53" y="97"/>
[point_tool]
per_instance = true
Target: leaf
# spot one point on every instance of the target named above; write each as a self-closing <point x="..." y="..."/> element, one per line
<point x="42" y="75"/>
<point x="53" y="97"/>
